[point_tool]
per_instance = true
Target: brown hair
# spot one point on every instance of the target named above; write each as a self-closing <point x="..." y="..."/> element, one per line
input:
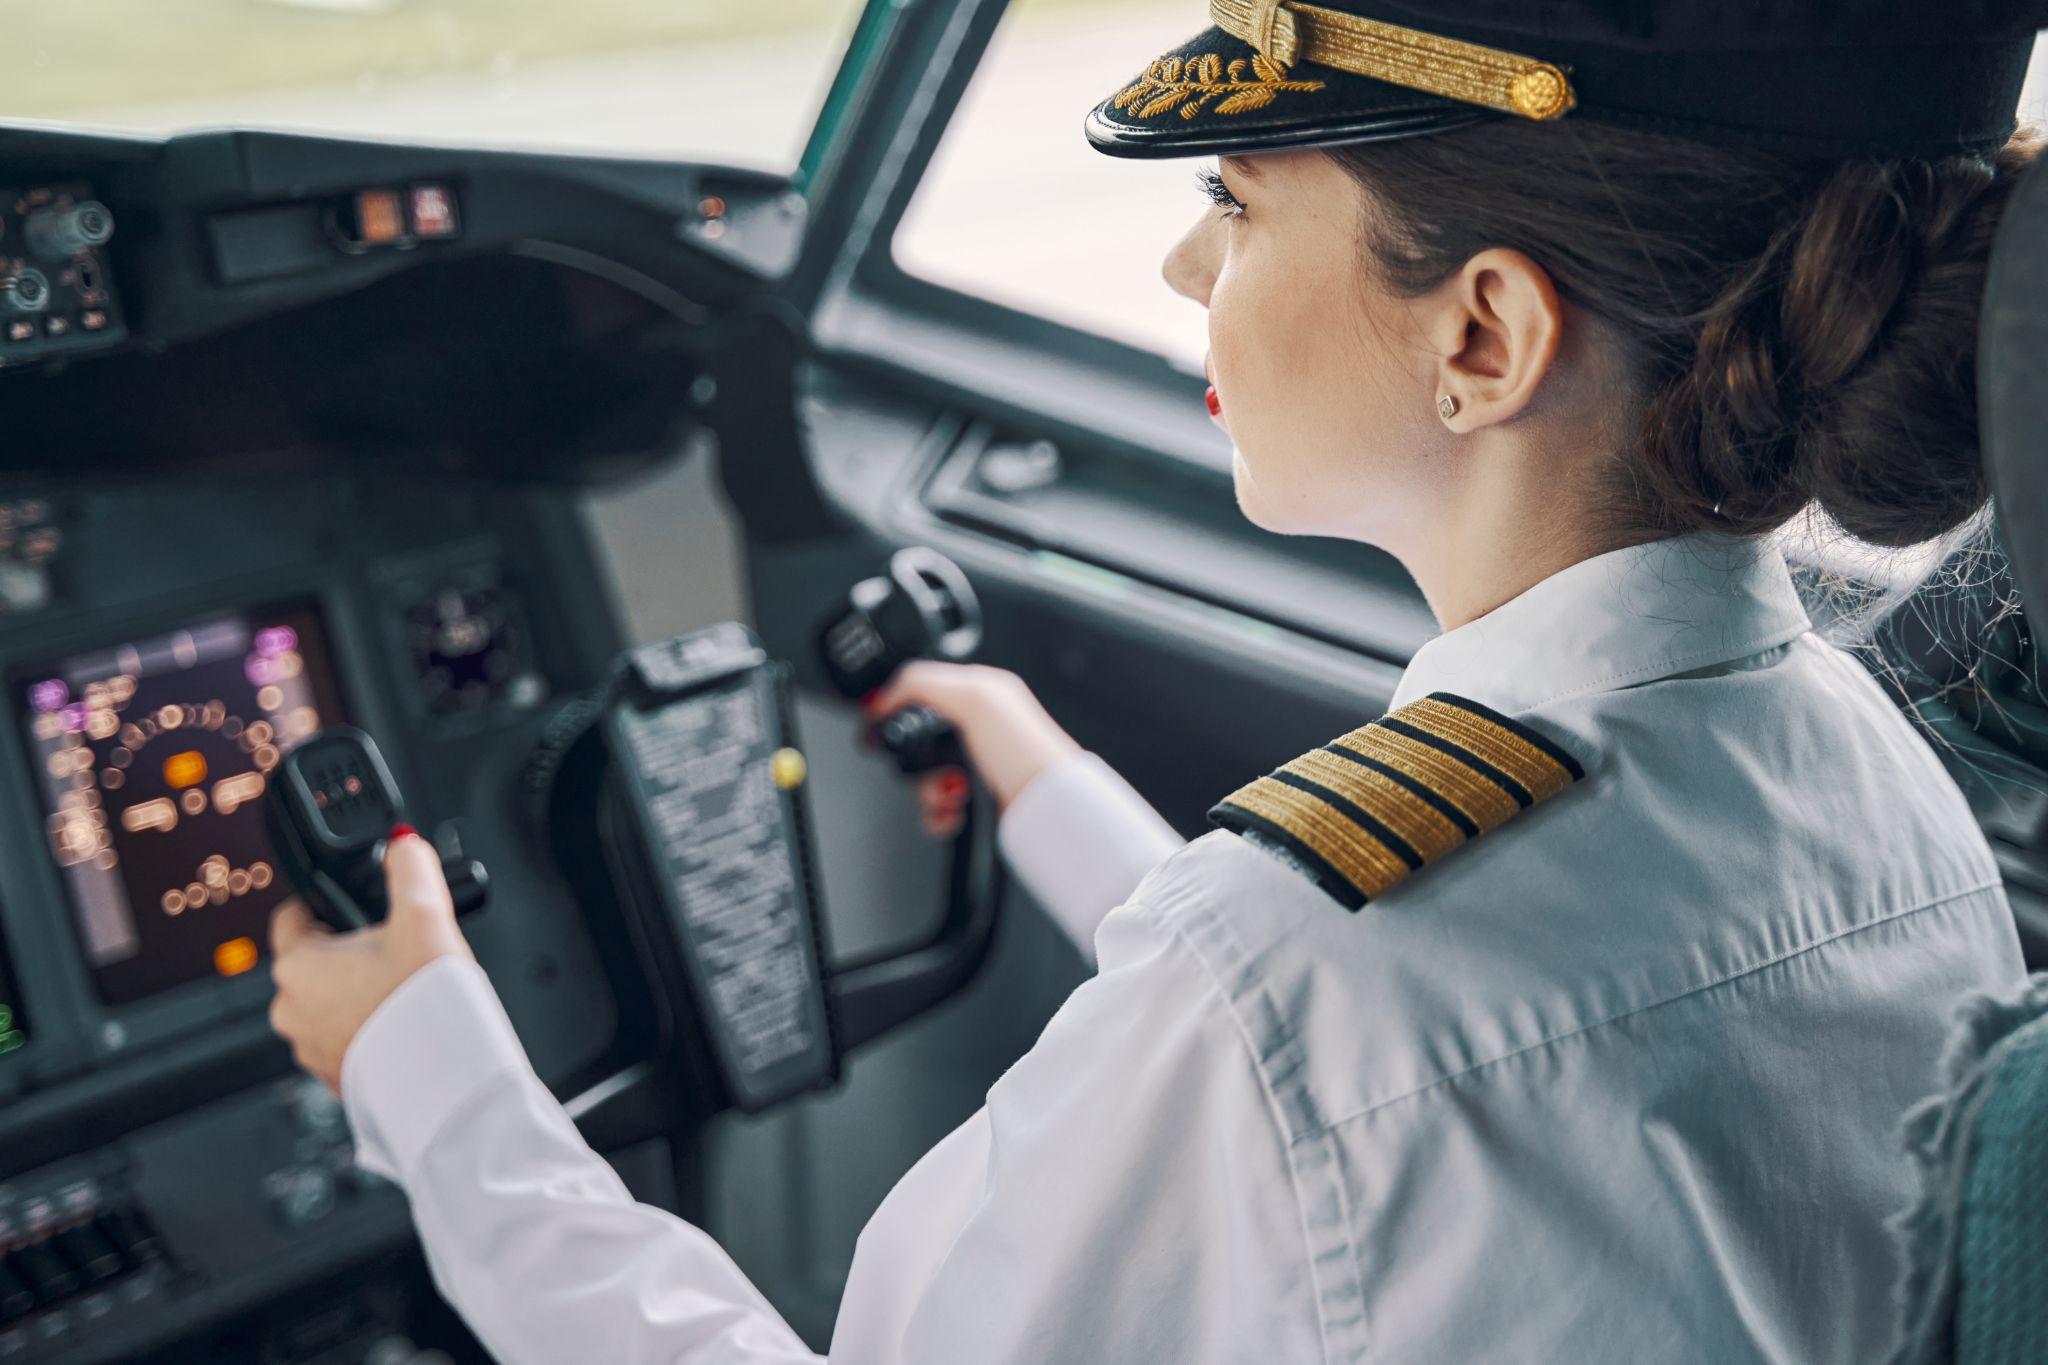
<point x="1798" y="333"/>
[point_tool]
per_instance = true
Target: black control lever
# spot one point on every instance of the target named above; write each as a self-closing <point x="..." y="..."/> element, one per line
<point x="331" y="805"/>
<point x="922" y="608"/>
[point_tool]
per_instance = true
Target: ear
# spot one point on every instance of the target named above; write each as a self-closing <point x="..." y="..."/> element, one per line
<point x="1497" y="329"/>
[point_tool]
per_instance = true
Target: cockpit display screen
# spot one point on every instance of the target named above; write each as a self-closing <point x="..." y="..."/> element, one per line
<point x="152" y="757"/>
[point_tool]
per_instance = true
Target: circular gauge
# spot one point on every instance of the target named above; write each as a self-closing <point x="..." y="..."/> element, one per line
<point x="469" y="651"/>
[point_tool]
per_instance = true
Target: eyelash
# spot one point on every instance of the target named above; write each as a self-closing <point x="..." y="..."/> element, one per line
<point x="1219" y="193"/>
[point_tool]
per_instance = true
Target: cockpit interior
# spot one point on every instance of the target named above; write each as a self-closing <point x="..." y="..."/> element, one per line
<point x="577" y="468"/>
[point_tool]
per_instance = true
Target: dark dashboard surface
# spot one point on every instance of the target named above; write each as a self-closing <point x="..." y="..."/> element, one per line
<point x="298" y="442"/>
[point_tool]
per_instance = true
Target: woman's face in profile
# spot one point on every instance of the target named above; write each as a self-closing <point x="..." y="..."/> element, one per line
<point x="1324" y="382"/>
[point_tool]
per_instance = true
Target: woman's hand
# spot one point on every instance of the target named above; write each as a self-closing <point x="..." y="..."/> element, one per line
<point x="328" y="984"/>
<point x="1008" y="736"/>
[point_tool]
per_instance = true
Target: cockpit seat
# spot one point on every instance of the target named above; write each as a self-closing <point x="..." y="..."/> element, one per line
<point x="1975" y="1286"/>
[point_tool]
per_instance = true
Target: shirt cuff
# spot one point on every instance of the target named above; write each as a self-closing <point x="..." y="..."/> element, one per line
<point x="421" y="1055"/>
<point x="1080" y="839"/>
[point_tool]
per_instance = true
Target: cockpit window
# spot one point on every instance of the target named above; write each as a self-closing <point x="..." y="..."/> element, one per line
<point x="1019" y="209"/>
<point x="685" y="79"/>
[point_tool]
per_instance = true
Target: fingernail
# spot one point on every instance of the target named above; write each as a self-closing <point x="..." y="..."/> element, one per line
<point x="401" y="831"/>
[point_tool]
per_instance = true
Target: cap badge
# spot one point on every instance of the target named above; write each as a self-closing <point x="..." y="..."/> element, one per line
<point x="1192" y="84"/>
<point x="1468" y="72"/>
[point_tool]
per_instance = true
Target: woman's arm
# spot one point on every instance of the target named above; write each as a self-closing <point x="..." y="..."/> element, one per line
<point x="528" y="1232"/>
<point x="1077" y="835"/>
<point x="1125" y="1195"/>
<point x="1080" y="839"/>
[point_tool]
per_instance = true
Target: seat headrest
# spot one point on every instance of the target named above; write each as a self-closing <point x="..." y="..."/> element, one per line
<point x="2012" y="385"/>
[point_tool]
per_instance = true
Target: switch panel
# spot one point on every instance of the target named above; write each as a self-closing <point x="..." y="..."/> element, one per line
<point x="56" y="288"/>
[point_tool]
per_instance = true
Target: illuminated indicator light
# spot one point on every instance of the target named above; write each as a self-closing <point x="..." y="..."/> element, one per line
<point x="157" y="814"/>
<point x="259" y="875"/>
<point x="49" y="695"/>
<point x="380" y="217"/>
<point x="238" y="882"/>
<point x="711" y="206"/>
<point x="187" y="769"/>
<point x="788" y="768"/>
<point x="433" y="211"/>
<point x="195" y="895"/>
<point x="235" y="956"/>
<point x="193" y="801"/>
<point x="174" y="902"/>
<point x="270" y="696"/>
<point x="232" y="793"/>
<point x="353" y="786"/>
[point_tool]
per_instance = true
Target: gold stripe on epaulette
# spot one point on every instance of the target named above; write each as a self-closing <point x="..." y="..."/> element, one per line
<point x="1421" y="828"/>
<point x="1540" y="774"/>
<point x="1468" y="72"/>
<point x="1396" y="795"/>
<point x="1485" y="803"/>
<point x="1359" y="857"/>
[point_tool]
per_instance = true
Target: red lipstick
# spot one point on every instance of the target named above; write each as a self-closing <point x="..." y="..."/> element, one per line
<point x="1215" y="403"/>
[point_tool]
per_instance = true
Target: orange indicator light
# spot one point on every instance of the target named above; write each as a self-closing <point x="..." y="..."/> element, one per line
<point x="187" y="769"/>
<point x="380" y="217"/>
<point x="235" y="956"/>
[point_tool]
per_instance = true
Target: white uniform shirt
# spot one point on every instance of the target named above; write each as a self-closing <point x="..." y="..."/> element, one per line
<point x="1619" y="1081"/>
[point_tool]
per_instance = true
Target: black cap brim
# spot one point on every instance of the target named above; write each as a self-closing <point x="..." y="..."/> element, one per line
<point x="1216" y="94"/>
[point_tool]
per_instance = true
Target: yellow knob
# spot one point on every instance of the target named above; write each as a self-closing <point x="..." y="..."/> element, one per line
<point x="789" y="769"/>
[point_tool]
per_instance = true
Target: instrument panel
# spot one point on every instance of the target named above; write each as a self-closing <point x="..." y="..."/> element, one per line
<point x="152" y="757"/>
<point x="273" y="465"/>
<point x="187" y="638"/>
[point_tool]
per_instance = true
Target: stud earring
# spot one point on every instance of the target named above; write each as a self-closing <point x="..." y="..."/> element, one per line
<point x="1447" y="407"/>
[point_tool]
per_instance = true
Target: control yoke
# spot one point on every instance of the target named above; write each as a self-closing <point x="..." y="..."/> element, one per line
<point x="675" y="801"/>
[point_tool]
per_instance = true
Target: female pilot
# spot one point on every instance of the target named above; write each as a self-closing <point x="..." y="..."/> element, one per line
<point x="1568" y="1011"/>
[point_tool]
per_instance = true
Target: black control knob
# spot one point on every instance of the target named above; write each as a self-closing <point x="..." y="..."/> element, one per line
<point x="923" y="608"/>
<point x="27" y="292"/>
<point x="60" y="234"/>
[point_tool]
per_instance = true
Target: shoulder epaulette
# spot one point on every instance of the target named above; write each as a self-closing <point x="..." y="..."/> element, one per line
<point x="1394" y="796"/>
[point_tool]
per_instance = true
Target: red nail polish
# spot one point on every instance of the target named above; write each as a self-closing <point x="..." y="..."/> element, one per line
<point x="401" y="831"/>
<point x="953" y="784"/>
<point x="1215" y="403"/>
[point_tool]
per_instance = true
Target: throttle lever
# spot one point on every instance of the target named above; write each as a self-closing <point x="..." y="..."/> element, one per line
<point x="922" y="608"/>
<point x="330" y="808"/>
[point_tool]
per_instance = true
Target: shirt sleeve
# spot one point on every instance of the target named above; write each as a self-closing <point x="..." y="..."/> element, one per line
<point x="527" y="1231"/>
<point x="1125" y="1195"/>
<point x="1080" y="839"/>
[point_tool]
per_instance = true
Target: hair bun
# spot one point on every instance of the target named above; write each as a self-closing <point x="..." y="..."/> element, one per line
<point x="1879" y="320"/>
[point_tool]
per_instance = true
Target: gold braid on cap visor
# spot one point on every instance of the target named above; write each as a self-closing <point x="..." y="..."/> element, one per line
<point x="1467" y="72"/>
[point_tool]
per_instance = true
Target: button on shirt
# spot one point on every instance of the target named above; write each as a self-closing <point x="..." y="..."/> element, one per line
<point x="1619" y="1081"/>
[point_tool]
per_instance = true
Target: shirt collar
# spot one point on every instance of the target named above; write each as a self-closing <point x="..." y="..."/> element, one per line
<point x="1629" y="616"/>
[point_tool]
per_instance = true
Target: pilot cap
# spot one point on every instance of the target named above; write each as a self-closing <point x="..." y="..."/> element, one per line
<point x="1803" y="78"/>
